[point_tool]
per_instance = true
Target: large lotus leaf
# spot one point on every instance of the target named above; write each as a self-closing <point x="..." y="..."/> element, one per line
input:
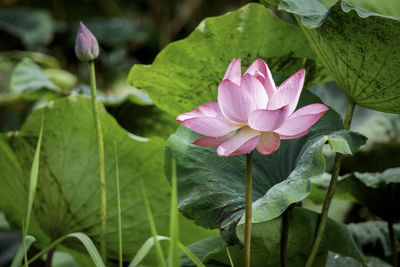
<point x="9" y="59"/>
<point x="67" y="198"/>
<point x="266" y="239"/>
<point x="378" y="127"/>
<point x="123" y="101"/>
<point x="379" y="192"/>
<point x="373" y="237"/>
<point x="360" y="49"/>
<point x="29" y="81"/>
<point x="211" y="188"/>
<point x="319" y="188"/>
<point x="187" y="73"/>
<point x="381" y="129"/>
<point x="13" y="200"/>
<point x="372" y="159"/>
<point x="204" y="249"/>
<point x="384" y="7"/>
<point x="123" y="29"/>
<point x="336" y="260"/>
<point x="32" y="27"/>
<point x="266" y="236"/>
<point x="213" y="252"/>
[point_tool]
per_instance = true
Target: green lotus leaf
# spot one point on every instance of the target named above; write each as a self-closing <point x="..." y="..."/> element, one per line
<point x="360" y="49"/>
<point x="186" y="73"/>
<point x="379" y="192"/>
<point x="372" y="237"/>
<point x="266" y="236"/>
<point x="378" y="127"/>
<point x="211" y="188"/>
<point x="203" y="249"/>
<point x="29" y="80"/>
<point x="67" y="198"/>
<point x="319" y="188"/>
<point x="371" y="160"/>
<point x="213" y="252"/>
<point x="14" y="190"/>
<point x="336" y="260"/>
<point x="61" y="78"/>
<point x="33" y="27"/>
<point x="266" y="239"/>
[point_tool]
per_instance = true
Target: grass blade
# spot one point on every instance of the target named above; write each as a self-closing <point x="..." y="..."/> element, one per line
<point x="91" y="249"/>
<point x="21" y="251"/>
<point x="229" y="257"/>
<point x="153" y="229"/>
<point x="146" y="247"/>
<point x="84" y="239"/>
<point x="174" y="259"/>
<point x="33" y="179"/>
<point x="119" y="206"/>
<point x="144" y="250"/>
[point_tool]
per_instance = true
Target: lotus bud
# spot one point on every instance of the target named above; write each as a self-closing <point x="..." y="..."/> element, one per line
<point x="86" y="45"/>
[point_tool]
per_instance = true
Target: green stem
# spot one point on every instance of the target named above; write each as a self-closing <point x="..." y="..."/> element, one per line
<point x="50" y="255"/>
<point x="247" y="225"/>
<point x="119" y="206"/>
<point x="393" y="244"/>
<point x="100" y="146"/>
<point x="331" y="190"/>
<point x="24" y="234"/>
<point x="153" y="229"/>
<point x="285" y="235"/>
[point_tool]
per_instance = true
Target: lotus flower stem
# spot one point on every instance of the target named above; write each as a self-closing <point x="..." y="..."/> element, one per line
<point x="331" y="190"/>
<point x="284" y="238"/>
<point x="50" y="255"/>
<point x="285" y="235"/>
<point x="393" y="246"/>
<point x="249" y="202"/>
<point x="100" y="146"/>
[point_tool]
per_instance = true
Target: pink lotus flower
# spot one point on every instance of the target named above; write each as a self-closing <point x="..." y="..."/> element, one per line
<point x="252" y="112"/>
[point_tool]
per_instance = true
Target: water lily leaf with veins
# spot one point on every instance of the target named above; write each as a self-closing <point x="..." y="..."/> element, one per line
<point x="211" y="188"/>
<point x="186" y="73"/>
<point x="360" y="49"/>
<point x="67" y="198"/>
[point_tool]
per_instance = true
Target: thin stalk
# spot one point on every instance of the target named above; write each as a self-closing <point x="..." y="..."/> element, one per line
<point x="153" y="229"/>
<point x="100" y="146"/>
<point x="248" y="211"/>
<point x="284" y="237"/>
<point x="119" y="206"/>
<point x="26" y="264"/>
<point x="393" y="244"/>
<point x="50" y="255"/>
<point x="331" y="190"/>
<point x="229" y="257"/>
<point x="174" y="259"/>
